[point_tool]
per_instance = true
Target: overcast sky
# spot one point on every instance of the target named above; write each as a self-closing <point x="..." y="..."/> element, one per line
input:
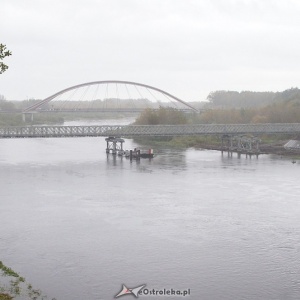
<point x="185" y="47"/>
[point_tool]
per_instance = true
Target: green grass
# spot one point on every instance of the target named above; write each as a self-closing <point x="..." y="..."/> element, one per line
<point x="180" y="142"/>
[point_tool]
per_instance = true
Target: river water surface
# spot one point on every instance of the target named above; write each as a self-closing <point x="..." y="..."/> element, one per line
<point x="78" y="224"/>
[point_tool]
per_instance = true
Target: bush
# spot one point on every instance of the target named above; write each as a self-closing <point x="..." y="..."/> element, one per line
<point x="161" y="116"/>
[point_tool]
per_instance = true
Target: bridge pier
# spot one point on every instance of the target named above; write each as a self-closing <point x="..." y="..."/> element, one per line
<point x="114" y="145"/>
<point x="240" y="145"/>
<point x="24" y="118"/>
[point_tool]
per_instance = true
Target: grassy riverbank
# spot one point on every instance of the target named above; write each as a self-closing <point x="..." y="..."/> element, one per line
<point x="58" y="118"/>
<point x="39" y="119"/>
<point x="269" y="144"/>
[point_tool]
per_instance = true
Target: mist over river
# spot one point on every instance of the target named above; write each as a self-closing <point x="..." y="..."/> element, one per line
<point x="78" y="224"/>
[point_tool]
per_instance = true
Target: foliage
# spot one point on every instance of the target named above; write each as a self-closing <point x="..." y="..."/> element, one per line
<point x="17" y="286"/>
<point x="222" y="116"/>
<point x="3" y="53"/>
<point x="233" y="108"/>
<point x="281" y="112"/>
<point x="16" y="119"/>
<point x="8" y="271"/>
<point x="179" y="142"/>
<point x="6" y="105"/>
<point x="232" y="99"/>
<point x="205" y="141"/>
<point x="247" y="99"/>
<point x="5" y="297"/>
<point x="287" y="110"/>
<point x="247" y="107"/>
<point x="163" y="115"/>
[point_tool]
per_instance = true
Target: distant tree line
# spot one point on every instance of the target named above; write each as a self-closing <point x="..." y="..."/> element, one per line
<point x="282" y="107"/>
<point x="15" y="119"/>
<point x="12" y="105"/>
<point x="252" y="107"/>
<point x="274" y="113"/>
<point x="79" y="104"/>
<point x="247" y="99"/>
<point x="224" y="107"/>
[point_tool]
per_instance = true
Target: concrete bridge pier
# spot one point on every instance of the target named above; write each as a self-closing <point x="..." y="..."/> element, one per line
<point x="26" y="115"/>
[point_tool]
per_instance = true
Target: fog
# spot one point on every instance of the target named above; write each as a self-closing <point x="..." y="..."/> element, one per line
<point x="187" y="48"/>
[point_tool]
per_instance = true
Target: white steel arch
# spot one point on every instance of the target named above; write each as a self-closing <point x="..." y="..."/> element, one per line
<point x="48" y="99"/>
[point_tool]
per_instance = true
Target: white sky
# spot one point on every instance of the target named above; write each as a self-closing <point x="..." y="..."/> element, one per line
<point x="185" y="47"/>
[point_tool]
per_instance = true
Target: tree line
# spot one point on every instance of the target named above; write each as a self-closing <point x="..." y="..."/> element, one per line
<point x="286" y="109"/>
<point x="249" y="99"/>
<point x="253" y="107"/>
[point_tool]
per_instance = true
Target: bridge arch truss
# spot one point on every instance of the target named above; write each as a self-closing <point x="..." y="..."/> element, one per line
<point x="38" y="105"/>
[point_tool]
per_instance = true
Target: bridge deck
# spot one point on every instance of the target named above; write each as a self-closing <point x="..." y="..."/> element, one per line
<point x="146" y="130"/>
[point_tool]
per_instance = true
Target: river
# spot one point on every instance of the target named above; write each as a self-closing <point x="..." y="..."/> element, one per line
<point x="79" y="224"/>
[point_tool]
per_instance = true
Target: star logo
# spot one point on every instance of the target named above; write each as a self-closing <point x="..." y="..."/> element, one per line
<point x="133" y="291"/>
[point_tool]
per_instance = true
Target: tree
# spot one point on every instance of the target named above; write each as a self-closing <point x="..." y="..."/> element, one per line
<point x="3" y="53"/>
<point x="161" y="116"/>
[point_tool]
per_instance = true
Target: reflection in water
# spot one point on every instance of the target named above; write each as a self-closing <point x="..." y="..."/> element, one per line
<point x="226" y="228"/>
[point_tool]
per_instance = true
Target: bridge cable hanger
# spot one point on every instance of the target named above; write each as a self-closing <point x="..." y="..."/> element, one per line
<point x="88" y="84"/>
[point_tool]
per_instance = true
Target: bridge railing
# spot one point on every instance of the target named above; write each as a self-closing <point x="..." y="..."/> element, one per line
<point x="146" y="130"/>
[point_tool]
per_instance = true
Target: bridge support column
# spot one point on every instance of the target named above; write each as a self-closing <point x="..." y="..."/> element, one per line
<point x="114" y="145"/>
<point x="229" y="144"/>
<point x="241" y="145"/>
<point x="25" y="118"/>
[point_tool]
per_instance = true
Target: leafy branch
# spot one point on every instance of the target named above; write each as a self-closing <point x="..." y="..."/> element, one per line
<point x="3" y="53"/>
<point x="16" y="286"/>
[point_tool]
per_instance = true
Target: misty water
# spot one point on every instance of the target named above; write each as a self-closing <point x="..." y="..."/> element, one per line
<point x="78" y="224"/>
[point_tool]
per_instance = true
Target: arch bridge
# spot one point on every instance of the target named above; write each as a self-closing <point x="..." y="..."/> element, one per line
<point x="38" y="107"/>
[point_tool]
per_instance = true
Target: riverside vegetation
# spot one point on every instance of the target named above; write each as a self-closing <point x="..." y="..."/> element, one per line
<point x="226" y="107"/>
<point x="13" y="286"/>
<point x="222" y="107"/>
<point x="56" y="110"/>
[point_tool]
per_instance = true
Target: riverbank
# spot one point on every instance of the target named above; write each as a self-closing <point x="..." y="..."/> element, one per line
<point x="273" y="145"/>
<point x="264" y="149"/>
